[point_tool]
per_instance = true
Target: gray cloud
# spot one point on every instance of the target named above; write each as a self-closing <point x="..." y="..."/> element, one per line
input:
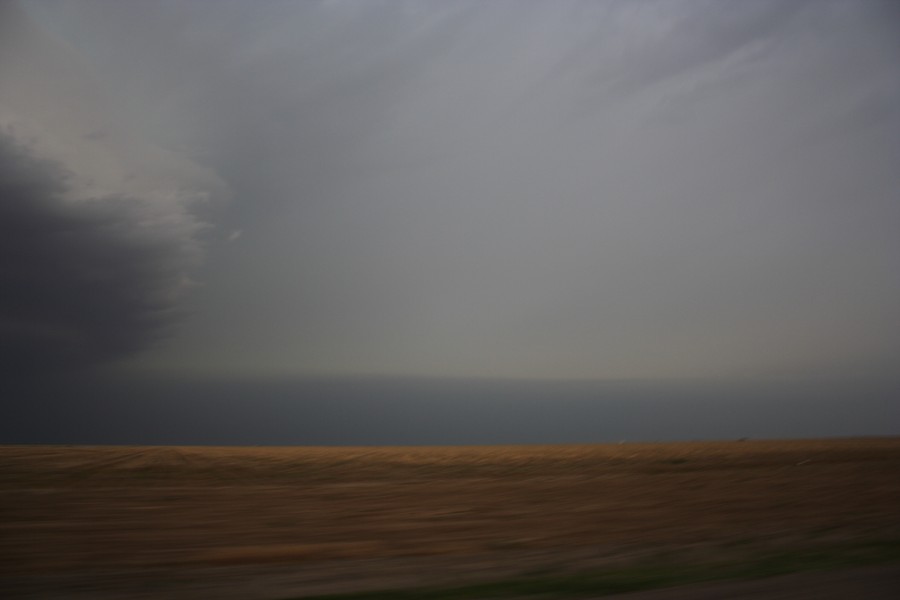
<point x="565" y="189"/>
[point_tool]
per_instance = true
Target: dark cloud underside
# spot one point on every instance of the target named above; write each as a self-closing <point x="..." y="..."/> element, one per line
<point x="81" y="282"/>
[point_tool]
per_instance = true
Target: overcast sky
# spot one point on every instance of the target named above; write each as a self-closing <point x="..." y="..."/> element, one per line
<point x="565" y="189"/>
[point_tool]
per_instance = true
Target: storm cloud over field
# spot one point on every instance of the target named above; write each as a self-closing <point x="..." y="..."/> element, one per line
<point x="571" y="190"/>
<point x="96" y="235"/>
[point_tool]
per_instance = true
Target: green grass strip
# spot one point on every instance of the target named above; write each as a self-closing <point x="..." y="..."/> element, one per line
<point x="645" y="577"/>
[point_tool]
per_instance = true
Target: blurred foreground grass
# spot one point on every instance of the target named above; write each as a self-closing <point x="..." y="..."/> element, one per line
<point x="649" y="575"/>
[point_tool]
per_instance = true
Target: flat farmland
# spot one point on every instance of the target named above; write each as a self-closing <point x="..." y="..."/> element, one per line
<point x="315" y="520"/>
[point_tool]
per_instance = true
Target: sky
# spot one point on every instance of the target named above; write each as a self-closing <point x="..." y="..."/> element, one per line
<point x="571" y="190"/>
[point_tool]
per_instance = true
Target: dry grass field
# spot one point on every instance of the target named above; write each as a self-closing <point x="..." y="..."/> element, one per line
<point x="322" y="520"/>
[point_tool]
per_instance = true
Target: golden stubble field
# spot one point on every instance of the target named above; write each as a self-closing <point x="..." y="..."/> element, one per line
<point x="348" y="512"/>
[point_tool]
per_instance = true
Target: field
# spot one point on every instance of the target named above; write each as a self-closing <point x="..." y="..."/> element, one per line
<point x="259" y="522"/>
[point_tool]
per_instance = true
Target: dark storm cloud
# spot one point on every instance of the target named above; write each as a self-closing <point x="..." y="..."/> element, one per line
<point x="83" y="282"/>
<point x="98" y="235"/>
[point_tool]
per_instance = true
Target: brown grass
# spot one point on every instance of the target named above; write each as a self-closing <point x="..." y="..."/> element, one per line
<point x="73" y="508"/>
<point x="236" y="555"/>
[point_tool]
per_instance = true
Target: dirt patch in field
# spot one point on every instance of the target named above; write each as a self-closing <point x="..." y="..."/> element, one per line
<point x="70" y="510"/>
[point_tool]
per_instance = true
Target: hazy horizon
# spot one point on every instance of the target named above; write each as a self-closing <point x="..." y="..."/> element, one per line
<point x="376" y="411"/>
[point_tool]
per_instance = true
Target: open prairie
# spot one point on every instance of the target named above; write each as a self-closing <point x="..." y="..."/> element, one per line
<point x="104" y="521"/>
